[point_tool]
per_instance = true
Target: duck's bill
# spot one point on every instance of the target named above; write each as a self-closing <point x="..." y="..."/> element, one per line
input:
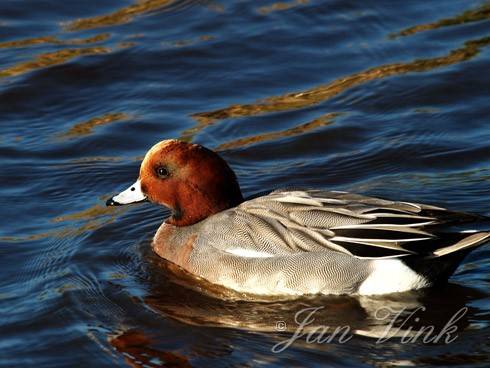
<point x="133" y="194"/>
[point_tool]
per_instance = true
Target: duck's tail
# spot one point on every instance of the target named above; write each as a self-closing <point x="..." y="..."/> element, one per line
<point x="442" y="263"/>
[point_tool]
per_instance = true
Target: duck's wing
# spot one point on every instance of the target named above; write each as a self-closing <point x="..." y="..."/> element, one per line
<point x="288" y="221"/>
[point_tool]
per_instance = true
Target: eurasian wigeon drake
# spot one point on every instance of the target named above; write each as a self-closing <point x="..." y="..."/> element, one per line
<point x="293" y="242"/>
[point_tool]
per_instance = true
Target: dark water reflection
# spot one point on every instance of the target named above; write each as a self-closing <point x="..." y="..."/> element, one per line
<point x="372" y="97"/>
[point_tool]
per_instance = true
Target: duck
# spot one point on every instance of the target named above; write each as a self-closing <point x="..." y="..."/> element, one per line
<point x="293" y="241"/>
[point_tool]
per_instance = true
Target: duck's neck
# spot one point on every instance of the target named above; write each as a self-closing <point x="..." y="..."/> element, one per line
<point x="195" y="207"/>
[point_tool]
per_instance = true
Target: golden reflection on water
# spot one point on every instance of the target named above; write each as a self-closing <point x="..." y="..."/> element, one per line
<point x="322" y="93"/>
<point x="49" y="59"/>
<point x="469" y="16"/>
<point x="86" y="127"/>
<point x="189" y="42"/>
<point x="54" y="41"/>
<point x="92" y="219"/>
<point x="86" y="214"/>
<point x="266" y="137"/>
<point x="279" y="6"/>
<point x="93" y="159"/>
<point x="121" y="16"/>
<point x="14" y="239"/>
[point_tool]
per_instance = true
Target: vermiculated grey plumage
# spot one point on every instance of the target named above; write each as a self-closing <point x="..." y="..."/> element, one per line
<point x="308" y="242"/>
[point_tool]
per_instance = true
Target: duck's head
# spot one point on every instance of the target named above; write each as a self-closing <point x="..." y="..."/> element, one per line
<point x="191" y="180"/>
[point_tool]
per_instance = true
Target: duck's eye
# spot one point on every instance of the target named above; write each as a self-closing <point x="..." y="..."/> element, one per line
<point x="162" y="172"/>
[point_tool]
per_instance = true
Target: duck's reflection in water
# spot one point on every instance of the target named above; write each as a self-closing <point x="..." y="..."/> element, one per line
<point x="424" y="316"/>
<point x="135" y="346"/>
<point x="322" y="323"/>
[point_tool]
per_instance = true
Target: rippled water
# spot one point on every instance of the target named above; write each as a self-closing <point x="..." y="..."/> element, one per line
<point x="378" y="97"/>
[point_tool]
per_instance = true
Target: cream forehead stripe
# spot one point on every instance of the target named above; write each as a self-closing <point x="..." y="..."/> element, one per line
<point x="158" y="146"/>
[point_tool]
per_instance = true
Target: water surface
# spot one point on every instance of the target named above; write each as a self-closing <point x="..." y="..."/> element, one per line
<point x="374" y="97"/>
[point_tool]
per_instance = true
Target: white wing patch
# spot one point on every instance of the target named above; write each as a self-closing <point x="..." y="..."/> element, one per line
<point x="294" y="197"/>
<point x="248" y="253"/>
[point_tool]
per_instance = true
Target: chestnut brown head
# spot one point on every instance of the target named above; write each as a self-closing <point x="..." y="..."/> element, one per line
<point x="191" y="180"/>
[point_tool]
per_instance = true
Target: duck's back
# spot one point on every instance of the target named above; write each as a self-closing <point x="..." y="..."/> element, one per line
<point x="308" y="242"/>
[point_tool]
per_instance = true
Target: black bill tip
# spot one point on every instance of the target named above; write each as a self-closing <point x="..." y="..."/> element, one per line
<point x="111" y="202"/>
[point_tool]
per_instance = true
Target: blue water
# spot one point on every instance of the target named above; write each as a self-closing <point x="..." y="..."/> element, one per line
<point x="377" y="97"/>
